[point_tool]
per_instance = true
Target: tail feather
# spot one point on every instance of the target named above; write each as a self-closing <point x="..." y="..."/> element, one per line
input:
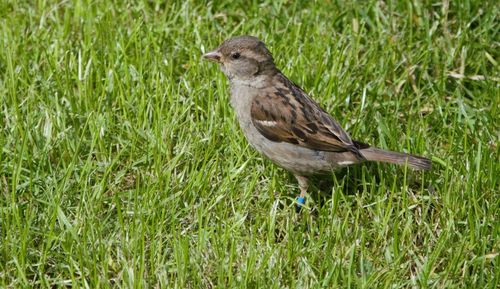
<point x="380" y="155"/>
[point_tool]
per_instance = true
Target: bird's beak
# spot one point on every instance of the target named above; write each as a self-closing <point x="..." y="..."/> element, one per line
<point x="214" y="56"/>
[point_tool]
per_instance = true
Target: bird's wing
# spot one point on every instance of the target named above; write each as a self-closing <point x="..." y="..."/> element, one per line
<point x="285" y="113"/>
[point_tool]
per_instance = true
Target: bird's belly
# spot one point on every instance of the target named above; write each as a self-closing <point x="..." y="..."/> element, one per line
<point x="294" y="158"/>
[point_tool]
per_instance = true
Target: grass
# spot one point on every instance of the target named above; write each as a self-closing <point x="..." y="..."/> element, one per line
<point x="122" y="164"/>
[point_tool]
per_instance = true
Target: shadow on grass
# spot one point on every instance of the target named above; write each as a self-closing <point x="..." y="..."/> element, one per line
<point x="352" y="181"/>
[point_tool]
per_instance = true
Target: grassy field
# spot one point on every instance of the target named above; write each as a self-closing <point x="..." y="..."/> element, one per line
<point x="122" y="164"/>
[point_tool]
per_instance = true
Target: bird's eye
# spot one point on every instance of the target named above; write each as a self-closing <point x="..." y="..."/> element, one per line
<point x="235" y="55"/>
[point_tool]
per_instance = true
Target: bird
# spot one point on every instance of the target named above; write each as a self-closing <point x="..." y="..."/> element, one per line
<point x="282" y="122"/>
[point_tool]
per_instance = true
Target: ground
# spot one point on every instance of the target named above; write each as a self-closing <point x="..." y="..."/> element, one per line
<point x="122" y="164"/>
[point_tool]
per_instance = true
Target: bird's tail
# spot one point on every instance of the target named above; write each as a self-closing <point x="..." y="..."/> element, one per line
<point x="380" y="155"/>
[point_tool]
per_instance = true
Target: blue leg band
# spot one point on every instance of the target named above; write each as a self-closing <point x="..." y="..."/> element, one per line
<point x="301" y="201"/>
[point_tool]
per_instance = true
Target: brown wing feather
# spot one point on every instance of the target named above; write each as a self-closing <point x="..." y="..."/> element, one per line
<point x="287" y="114"/>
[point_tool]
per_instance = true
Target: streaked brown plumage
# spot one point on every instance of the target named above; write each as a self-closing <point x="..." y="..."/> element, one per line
<point x="282" y="122"/>
<point x="298" y="119"/>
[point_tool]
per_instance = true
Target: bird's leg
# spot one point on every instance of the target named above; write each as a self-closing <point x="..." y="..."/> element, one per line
<point x="303" y="184"/>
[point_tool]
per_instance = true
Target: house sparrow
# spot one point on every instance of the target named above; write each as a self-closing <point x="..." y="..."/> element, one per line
<point x="283" y="123"/>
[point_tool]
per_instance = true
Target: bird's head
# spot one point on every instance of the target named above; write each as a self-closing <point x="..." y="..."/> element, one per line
<point x="243" y="58"/>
